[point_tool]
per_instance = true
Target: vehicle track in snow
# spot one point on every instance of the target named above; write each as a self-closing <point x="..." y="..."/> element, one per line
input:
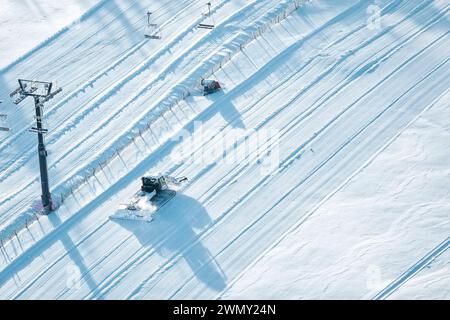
<point x="281" y="7"/>
<point x="105" y="92"/>
<point x="413" y="270"/>
<point x="293" y="157"/>
<point x="169" y="265"/>
<point x="329" y="94"/>
<point x="140" y="255"/>
<point x="240" y="235"/>
<point x="35" y="181"/>
<point x="300" y="222"/>
<point x="264" y="219"/>
<point x="18" y="162"/>
<point x="128" y="104"/>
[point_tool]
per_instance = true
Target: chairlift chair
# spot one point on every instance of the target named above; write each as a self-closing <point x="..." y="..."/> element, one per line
<point x="2" y="117"/>
<point x="153" y="31"/>
<point x="209" y="26"/>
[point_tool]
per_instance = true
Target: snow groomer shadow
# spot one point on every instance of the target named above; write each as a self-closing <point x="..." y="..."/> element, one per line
<point x="223" y="102"/>
<point x="174" y="233"/>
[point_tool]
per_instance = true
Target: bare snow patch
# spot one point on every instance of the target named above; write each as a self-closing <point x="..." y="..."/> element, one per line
<point x="26" y="23"/>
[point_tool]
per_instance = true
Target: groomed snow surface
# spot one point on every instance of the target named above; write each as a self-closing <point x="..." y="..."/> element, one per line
<point x="334" y="119"/>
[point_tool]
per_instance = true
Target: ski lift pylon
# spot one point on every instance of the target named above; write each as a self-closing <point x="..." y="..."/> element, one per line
<point x="210" y="25"/>
<point x="152" y="31"/>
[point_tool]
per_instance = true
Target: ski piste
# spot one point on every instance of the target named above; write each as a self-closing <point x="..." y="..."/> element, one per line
<point x="143" y="205"/>
<point x="354" y="201"/>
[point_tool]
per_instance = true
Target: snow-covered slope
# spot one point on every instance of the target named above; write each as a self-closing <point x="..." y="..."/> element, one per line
<point x="27" y="23"/>
<point x="348" y="199"/>
<point x="375" y="229"/>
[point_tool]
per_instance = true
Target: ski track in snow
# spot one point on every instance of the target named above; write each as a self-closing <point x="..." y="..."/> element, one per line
<point x="306" y="102"/>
